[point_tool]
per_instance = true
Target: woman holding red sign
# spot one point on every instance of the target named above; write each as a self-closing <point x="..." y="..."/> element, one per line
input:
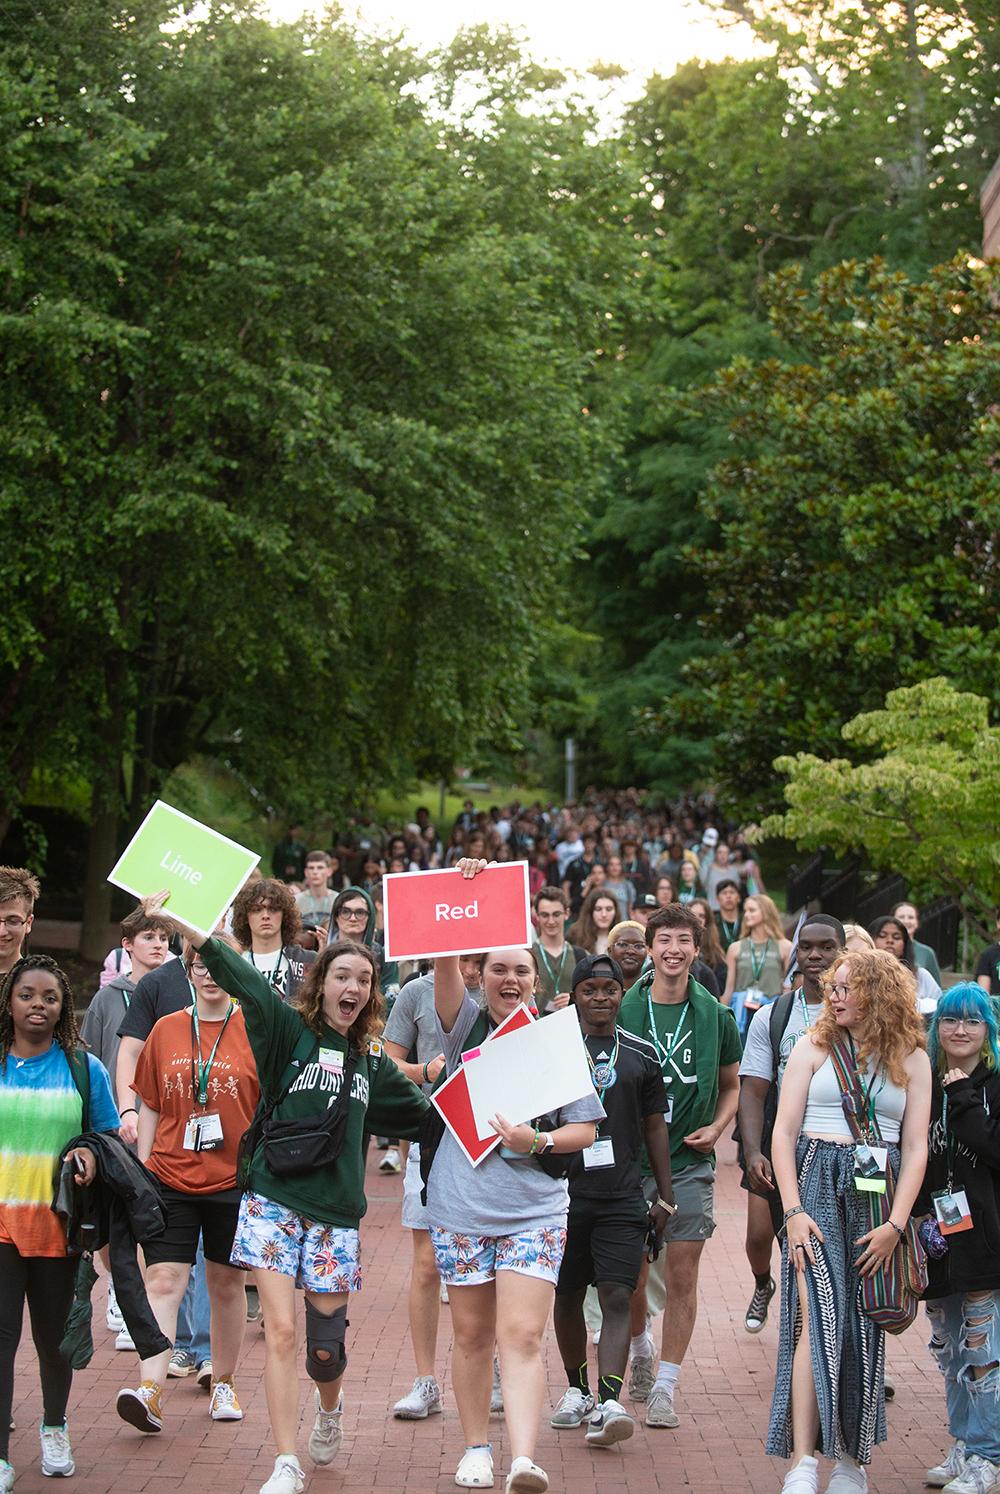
<point x="961" y="1196"/>
<point x="499" y="1230"/>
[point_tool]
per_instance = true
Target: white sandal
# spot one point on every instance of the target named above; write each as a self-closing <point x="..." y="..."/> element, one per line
<point x="476" y="1468"/>
<point x="525" y="1477"/>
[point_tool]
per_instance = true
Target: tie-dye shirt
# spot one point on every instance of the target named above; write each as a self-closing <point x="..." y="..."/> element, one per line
<point x="40" y="1110"/>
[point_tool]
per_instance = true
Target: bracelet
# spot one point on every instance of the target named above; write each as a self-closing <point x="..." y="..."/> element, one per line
<point x="427" y="1077"/>
<point x="790" y="1213"/>
<point x="534" y="1142"/>
<point x="900" y="1232"/>
<point x="130" y="1111"/>
<point x="668" y="1208"/>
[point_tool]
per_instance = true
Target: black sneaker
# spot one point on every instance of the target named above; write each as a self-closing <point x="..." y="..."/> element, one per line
<point x="756" y="1315"/>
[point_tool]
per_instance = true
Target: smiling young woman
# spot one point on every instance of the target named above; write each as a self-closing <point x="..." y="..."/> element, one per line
<point x="300" y="1229"/>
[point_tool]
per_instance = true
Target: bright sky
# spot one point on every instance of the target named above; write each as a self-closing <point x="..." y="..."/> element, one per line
<point x="644" y="36"/>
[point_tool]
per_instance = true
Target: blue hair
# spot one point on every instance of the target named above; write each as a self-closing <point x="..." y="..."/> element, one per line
<point x="967" y="999"/>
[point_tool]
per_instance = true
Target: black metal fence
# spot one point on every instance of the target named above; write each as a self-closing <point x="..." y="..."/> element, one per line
<point x="804" y="882"/>
<point x="940" y="922"/>
<point x="839" y="892"/>
<point x="880" y="899"/>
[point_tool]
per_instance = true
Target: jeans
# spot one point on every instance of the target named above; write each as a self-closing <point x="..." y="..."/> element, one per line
<point x="965" y="1332"/>
<point x="194" y="1314"/>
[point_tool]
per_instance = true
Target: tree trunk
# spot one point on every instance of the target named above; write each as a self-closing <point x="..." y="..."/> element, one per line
<point x="102" y="853"/>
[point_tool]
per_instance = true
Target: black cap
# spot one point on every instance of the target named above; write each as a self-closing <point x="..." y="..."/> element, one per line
<point x="599" y="964"/>
<point x="645" y="900"/>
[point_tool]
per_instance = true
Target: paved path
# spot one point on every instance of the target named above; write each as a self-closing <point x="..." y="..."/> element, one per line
<point x="723" y="1400"/>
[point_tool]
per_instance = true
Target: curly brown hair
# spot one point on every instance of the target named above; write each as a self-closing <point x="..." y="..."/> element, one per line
<point x="309" y="1001"/>
<point x="280" y="897"/>
<point x="886" y="995"/>
<point x="65" y="1032"/>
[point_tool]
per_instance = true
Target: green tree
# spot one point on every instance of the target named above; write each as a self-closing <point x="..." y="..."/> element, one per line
<point x="924" y="801"/>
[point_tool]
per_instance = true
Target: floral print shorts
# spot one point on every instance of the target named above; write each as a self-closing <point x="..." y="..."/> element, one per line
<point x="321" y="1257"/>
<point x="470" y="1260"/>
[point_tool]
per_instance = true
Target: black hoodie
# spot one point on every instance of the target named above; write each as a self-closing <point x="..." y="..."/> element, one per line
<point x="973" y="1260"/>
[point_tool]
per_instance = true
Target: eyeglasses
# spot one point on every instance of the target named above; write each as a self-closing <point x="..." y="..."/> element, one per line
<point x="14" y="923"/>
<point x="353" y="913"/>
<point x="971" y="1024"/>
<point x="842" y="991"/>
<point x="628" y="944"/>
<point x="197" y="968"/>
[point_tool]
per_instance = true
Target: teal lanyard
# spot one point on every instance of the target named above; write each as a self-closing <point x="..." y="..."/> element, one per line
<point x="665" y="1054"/>
<point x="555" y="973"/>
<point x="200" y="1070"/>
<point x="757" y="970"/>
<point x="805" y="1012"/>
<point x="609" y="1068"/>
<point x="729" y="930"/>
<point x="867" y="1097"/>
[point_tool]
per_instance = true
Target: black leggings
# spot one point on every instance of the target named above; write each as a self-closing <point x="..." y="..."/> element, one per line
<point x="47" y="1283"/>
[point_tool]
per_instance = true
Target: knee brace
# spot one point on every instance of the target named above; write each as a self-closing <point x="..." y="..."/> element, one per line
<point x="326" y="1354"/>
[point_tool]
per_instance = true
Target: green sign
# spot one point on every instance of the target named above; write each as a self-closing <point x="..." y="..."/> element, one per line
<point x="202" y="869"/>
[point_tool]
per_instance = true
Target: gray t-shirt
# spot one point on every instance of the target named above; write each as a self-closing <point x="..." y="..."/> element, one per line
<point x="758" y="1058"/>
<point x="499" y="1197"/>
<point x="413" y="1021"/>
<point x="101" y="1020"/>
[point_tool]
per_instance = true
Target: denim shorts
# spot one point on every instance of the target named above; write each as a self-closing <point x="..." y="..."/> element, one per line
<point x="470" y="1260"/>
<point x="321" y="1257"/>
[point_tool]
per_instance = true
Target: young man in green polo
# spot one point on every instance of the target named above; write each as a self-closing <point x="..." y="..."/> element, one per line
<point x="698" y="1046"/>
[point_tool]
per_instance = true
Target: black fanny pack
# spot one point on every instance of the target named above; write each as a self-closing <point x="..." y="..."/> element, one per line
<point x="294" y="1147"/>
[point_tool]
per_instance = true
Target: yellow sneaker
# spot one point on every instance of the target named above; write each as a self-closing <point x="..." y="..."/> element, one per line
<point x="141" y="1408"/>
<point x="224" y="1406"/>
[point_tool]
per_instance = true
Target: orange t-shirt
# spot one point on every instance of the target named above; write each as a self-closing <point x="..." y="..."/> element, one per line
<point x="165" y="1081"/>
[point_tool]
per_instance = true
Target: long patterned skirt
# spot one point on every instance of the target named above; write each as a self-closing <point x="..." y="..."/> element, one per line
<point x="847" y="1349"/>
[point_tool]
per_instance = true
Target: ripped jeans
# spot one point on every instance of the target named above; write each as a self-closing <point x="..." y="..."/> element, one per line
<point x="965" y="1333"/>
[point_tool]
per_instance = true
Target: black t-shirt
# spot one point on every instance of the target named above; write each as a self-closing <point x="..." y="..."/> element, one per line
<point x="989" y="964"/>
<point x="638" y="1091"/>
<point x="157" y="995"/>
<point x="576" y="874"/>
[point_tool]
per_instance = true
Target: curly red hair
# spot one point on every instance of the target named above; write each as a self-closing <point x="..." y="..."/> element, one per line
<point x="886" y="995"/>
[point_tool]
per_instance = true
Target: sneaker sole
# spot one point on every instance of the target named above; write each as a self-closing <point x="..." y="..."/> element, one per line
<point x="66" y="1472"/>
<point x="619" y="1430"/>
<point x="664" y="1424"/>
<point x="179" y="1374"/>
<point x="131" y="1409"/>
<point x="755" y="1325"/>
<point x="227" y="1415"/>
<point x="567" y="1426"/>
<point x="417" y="1415"/>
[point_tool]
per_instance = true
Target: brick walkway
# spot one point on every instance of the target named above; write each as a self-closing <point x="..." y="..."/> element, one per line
<point x="723" y="1400"/>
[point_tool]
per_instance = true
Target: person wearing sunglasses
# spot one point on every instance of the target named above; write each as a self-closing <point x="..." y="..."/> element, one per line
<point x="961" y="1197"/>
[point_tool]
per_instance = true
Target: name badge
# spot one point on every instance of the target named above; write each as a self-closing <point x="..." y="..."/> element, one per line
<point x="331" y="1060"/>
<point x="668" y="1113"/>
<point x="952" y="1210"/>
<point x="203" y="1133"/>
<point x="869" y="1167"/>
<point x="600" y="1154"/>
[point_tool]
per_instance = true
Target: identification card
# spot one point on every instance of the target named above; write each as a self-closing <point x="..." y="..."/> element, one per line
<point x="601" y="1154"/>
<point x="331" y="1060"/>
<point x="952" y="1210"/>
<point x="203" y="1133"/>
<point x="753" y="999"/>
<point x="668" y="1114"/>
<point x="869" y="1167"/>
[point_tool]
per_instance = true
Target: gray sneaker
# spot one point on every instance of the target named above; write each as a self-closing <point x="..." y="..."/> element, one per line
<point x="609" y="1424"/>
<point x="660" y="1410"/>
<point x="182" y="1363"/>
<point x="641" y="1378"/>
<point x="422" y="1401"/>
<point x="327" y="1433"/>
<point x="573" y="1410"/>
<point x="950" y="1468"/>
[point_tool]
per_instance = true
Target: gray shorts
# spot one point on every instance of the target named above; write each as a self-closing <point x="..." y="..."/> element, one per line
<point x="414" y="1213"/>
<point x="694" y="1195"/>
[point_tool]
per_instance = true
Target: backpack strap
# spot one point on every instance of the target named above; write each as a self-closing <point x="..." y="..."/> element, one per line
<point x="781" y="1012"/>
<point x="79" y="1067"/>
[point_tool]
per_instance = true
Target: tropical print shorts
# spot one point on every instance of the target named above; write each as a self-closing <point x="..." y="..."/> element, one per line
<point x="321" y="1257"/>
<point x="470" y="1260"/>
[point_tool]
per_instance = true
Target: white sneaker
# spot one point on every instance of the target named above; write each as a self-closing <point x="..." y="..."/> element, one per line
<point x="224" y="1406"/>
<point x="641" y="1378"/>
<point x="475" y="1471"/>
<point x="123" y="1342"/>
<point x="660" y="1409"/>
<point x="327" y="1433"/>
<point x="288" y="1476"/>
<point x="950" y="1468"/>
<point x="609" y="1424"/>
<point x="573" y="1410"/>
<point x="6" y="1476"/>
<point x="114" y="1318"/>
<point x="390" y="1162"/>
<point x="525" y="1477"/>
<point x="423" y="1400"/>
<point x="57" y="1455"/>
<point x="847" y="1478"/>
<point x="803" y="1478"/>
<point x="978" y="1476"/>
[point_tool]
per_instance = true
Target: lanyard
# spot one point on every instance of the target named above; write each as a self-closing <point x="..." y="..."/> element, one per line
<point x="605" y="1074"/>
<point x="867" y="1098"/>
<point x="949" y="1149"/>
<point x="805" y="1012"/>
<point x="729" y="930"/>
<point x="665" y="1054"/>
<point x="199" y="1074"/>
<point x="755" y="968"/>
<point x="274" y="976"/>
<point x="553" y="973"/>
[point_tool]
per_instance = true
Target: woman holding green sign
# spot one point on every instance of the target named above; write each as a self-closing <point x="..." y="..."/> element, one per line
<point x="324" y="1081"/>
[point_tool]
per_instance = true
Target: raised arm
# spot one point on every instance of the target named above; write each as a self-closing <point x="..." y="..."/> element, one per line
<point x="449" y="987"/>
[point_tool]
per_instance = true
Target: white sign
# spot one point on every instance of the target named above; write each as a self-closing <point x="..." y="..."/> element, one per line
<point x="533" y="1071"/>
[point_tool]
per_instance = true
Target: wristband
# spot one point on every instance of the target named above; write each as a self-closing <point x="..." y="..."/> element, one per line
<point x="790" y="1213"/>
<point x="427" y="1077"/>
<point x="669" y="1208"/>
<point x="900" y="1232"/>
<point x="534" y="1142"/>
<point x="130" y="1111"/>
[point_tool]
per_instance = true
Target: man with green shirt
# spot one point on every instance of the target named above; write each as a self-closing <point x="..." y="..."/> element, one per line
<point x="698" y="1046"/>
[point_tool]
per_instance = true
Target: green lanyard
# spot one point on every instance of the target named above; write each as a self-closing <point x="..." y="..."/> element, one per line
<point x="604" y="1074"/>
<point x="868" y="1099"/>
<point x="757" y="970"/>
<point x="275" y="975"/>
<point x="665" y="1054"/>
<point x="553" y="973"/>
<point x="805" y="1012"/>
<point x="200" y="1070"/>
<point x="729" y="930"/>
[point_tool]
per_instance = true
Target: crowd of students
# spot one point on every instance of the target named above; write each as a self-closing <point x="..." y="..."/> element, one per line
<point x="240" y="1077"/>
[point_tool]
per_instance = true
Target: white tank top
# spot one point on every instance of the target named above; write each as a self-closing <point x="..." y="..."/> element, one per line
<point x="825" y="1114"/>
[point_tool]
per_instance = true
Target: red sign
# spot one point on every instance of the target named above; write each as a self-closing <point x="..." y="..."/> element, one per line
<point x="433" y="913"/>
<point x="454" y="1104"/>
